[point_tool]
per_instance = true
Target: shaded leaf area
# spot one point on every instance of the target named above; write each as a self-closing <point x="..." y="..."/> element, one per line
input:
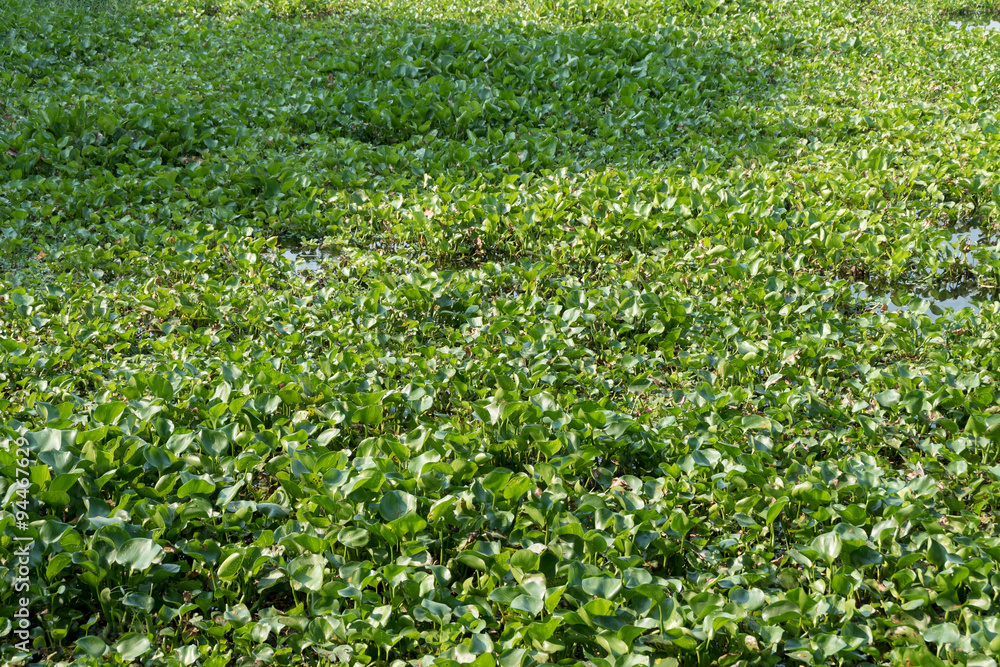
<point x="586" y="368"/>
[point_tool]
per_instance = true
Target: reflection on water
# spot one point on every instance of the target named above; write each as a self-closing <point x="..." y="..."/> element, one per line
<point x="305" y="259"/>
<point x="954" y="296"/>
<point x="311" y="259"/>
<point x="992" y="25"/>
<point x="965" y="240"/>
<point x="962" y="244"/>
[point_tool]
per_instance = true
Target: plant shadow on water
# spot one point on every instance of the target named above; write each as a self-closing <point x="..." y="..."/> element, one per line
<point x="972" y="14"/>
<point x="953" y="296"/>
<point x="944" y="300"/>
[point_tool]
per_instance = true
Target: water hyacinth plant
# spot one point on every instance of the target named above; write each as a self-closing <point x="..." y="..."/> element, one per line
<point x="577" y="332"/>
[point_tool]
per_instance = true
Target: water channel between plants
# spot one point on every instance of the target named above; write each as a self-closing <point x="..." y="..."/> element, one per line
<point x="946" y="298"/>
<point x="305" y="259"/>
<point x="992" y="25"/>
<point x="311" y="259"/>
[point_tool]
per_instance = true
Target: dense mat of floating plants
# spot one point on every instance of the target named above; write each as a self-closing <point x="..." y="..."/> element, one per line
<point x="539" y="332"/>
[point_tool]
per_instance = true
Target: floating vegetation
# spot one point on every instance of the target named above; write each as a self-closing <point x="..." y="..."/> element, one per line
<point x="577" y="332"/>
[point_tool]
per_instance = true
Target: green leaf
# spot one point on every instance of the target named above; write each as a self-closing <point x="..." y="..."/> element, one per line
<point x="138" y="553"/>
<point x="517" y="487"/>
<point x="525" y="560"/>
<point x="496" y="480"/>
<point x="774" y="511"/>
<point x="352" y="537"/>
<point x="602" y="587"/>
<point x="306" y="572"/>
<point x="139" y="601"/>
<point x="395" y="504"/>
<point x="888" y="398"/>
<point x="409" y="524"/>
<point x="942" y="633"/>
<point x="755" y="422"/>
<point x="92" y="646"/>
<point x="50" y="439"/>
<point x="161" y="388"/>
<point x="528" y="604"/>
<point x="681" y="523"/>
<point x="371" y="415"/>
<point x="132" y="645"/>
<point x="108" y="413"/>
<point x="195" y="486"/>
<point x="214" y="442"/>
<point x="781" y="612"/>
<point x="828" y="545"/>
<point x="231" y="567"/>
<point x="829" y="645"/>
<point x="937" y="554"/>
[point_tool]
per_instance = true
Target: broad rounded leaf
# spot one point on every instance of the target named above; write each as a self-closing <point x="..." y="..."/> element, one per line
<point x="395" y="504"/>
<point x="132" y="645"/>
<point x="95" y="647"/>
<point x="943" y="633"/>
<point x="138" y="553"/>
